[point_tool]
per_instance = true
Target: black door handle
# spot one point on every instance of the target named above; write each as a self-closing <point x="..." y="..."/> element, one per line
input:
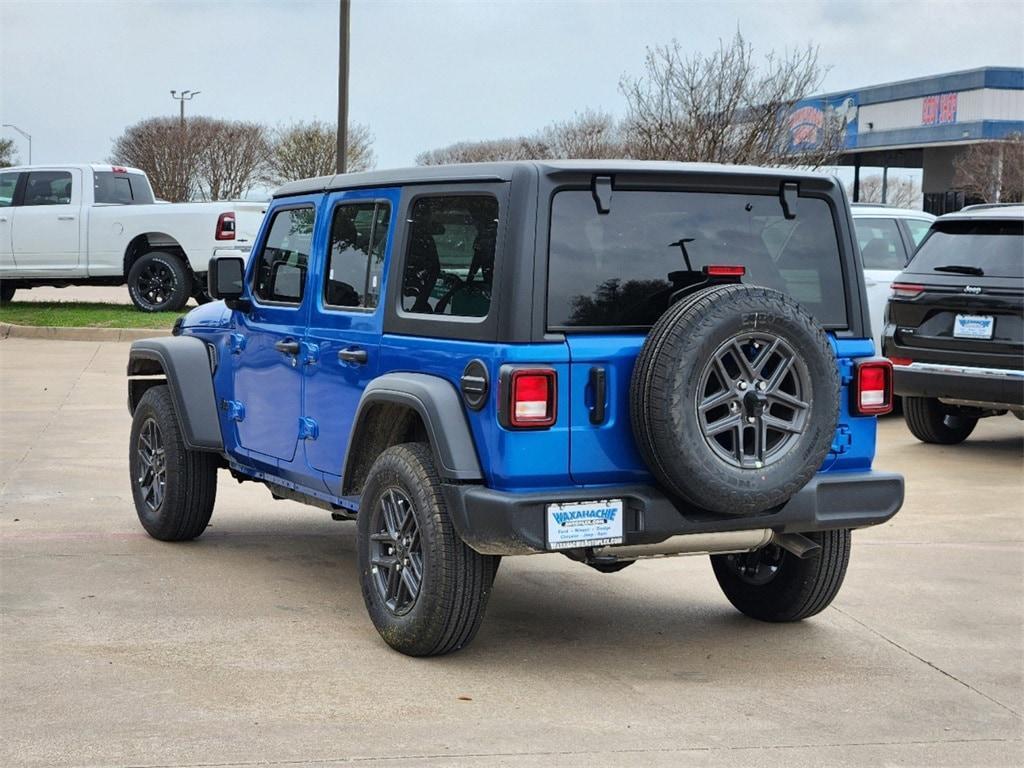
<point x="353" y="356"/>
<point x="598" y="383"/>
<point x="287" y="346"/>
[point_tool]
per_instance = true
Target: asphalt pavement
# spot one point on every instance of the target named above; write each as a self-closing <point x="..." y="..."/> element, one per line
<point x="251" y="646"/>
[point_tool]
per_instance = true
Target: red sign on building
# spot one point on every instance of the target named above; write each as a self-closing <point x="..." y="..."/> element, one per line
<point x="939" y="109"/>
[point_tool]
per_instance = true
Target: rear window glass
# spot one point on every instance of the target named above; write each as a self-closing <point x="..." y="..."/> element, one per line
<point x="622" y="267"/>
<point x="994" y="247"/>
<point x="121" y="188"/>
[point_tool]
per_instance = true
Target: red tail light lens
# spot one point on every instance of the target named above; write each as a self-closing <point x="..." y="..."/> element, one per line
<point x="724" y="270"/>
<point x="900" y="360"/>
<point x="532" y="398"/>
<point x="906" y="290"/>
<point x="872" y="388"/>
<point x="226" y="226"/>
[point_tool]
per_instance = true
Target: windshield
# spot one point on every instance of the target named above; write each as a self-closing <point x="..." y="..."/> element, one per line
<point x="996" y="247"/>
<point x="621" y="268"/>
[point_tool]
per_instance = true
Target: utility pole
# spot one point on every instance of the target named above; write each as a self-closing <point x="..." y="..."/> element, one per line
<point x="343" y="38"/>
<point x="181" y="99"/>
<point x="26" y="135"/>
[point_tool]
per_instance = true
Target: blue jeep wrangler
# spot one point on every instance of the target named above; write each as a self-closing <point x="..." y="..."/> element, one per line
<point x="610" y="360"/>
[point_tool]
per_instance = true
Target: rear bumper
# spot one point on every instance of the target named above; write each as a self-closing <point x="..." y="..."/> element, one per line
<point x="501" y="523"/>
<point x="990" y="386"/>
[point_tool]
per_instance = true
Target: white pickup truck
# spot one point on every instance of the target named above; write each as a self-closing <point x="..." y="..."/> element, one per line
<point x="99" y="225"/>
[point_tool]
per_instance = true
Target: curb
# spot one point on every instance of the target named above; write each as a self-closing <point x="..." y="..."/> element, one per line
<point x="57" y="333"/>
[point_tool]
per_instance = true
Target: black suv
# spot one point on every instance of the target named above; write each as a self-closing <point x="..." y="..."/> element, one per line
<point x="955" y="322"/>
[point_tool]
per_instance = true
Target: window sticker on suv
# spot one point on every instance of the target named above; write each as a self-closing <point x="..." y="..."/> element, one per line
<point x="620" y="268"/>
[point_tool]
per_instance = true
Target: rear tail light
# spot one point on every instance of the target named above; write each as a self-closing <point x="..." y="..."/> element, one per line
<point x="872" y="387"/>
<point x="906" y="290"/>
<point x="226" y="226"/>
<point x="724" y="270"/>
<point x="900" y="360"/>
<point x="531" y="398"/>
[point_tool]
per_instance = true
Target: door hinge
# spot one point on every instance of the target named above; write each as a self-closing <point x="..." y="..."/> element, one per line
<point x="310" y="353"/>
<point x="842" y="441"/>
<point x="236" y="343"/>
<point x="234" y="409"/>
<point x="845" y="370"/>
<point x="308" y="429"/>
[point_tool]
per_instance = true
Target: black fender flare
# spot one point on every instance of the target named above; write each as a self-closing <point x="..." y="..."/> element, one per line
<point x="439" y="406"/>
<point x="185" y="363"/>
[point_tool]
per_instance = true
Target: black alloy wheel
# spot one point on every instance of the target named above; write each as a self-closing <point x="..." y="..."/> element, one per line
<point x="152" y="465"/>
<point x="396" y="555"/>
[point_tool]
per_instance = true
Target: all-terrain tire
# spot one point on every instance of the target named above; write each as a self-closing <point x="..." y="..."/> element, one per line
<point x="159" y="282"/>
<point x="179" y="508"/>
<point x="7" y="289"/>
<point x="796" y="590"/>
<point x="664" y="398"/>
<point x="454" y="581"/>
<point x="932" y="422"/>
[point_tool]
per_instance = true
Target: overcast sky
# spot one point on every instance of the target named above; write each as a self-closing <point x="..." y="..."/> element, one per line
<point x="425" y="74"/>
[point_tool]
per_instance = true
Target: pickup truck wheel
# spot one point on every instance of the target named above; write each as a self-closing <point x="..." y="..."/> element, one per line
<point x="7" y="292"/>
<point x="173" y="487"/>
<point x="932" y="422"/>
<point x="734" y="399"/>
<point x="159" y="282"/>
<point x="424" y="589"/>
<point x="774" y="585"/>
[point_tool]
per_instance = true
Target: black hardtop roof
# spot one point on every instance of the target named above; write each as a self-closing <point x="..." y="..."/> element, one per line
<point x="503" y="171"/>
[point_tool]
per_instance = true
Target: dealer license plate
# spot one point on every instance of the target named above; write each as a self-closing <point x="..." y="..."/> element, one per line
<point x="584" y="524"/>
<point x="973" y="326"/>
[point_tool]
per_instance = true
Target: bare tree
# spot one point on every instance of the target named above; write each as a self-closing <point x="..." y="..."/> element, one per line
<point x="992" y="172"/>
<point x="589" y="135"/>
<point x="901" y="192"/>
<point x="304" y="150"/>
<point x="233" y="156"/>
<point x="517" y="148"/>
<point x="8" y="156"/>
<point x="727" y="107"/>
<point x="166" y="151"/>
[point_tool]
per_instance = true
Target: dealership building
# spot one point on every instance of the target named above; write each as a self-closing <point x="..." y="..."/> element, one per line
<point x="924" y="123"/>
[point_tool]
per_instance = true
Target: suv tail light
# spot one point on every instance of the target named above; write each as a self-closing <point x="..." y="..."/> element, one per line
<point x="226" y="226"/>
<point x="906" y="290"/>
<point x="872" y="387"/>
<point x="532" y="398"/>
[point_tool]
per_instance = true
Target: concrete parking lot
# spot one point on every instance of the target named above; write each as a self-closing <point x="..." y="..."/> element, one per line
<point x="251" y="646"/>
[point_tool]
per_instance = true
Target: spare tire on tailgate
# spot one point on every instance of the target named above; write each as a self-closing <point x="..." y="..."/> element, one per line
<point x="734" y="399"/>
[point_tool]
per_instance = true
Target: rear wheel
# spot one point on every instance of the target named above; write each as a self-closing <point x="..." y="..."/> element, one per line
<point x="173" y="487"/>
<point x="774" y="585"/>
<point x="159" y="282"/>
<point x="425" y="590"/>
<point x="7" y="290"/>
<point x="932" y="422"/>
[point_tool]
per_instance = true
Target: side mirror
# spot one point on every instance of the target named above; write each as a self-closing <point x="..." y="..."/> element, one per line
<point x="225" y="279"/>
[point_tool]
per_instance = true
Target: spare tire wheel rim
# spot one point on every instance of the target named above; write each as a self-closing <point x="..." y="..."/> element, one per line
<point x="753" y="400"/>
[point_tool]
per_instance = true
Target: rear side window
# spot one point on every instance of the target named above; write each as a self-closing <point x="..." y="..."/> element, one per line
<point x="621" y="268"/>
<point x="121" y="188"/>
<point x="356" y="255"/>
<point x="48" y="188"/>
<point x="280" y="274"/>
<point x="449" y="267"/>
<point x="8" y="182"/>
<point x="995" y="247"/>
<point x="918" y="229"/>
<point x="881" y="245"/>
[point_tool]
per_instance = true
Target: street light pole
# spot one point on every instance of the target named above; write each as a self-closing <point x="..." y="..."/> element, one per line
<point x="181" y="99"/>
<point x="26" y="135"/>
<point x="343" y="40"/>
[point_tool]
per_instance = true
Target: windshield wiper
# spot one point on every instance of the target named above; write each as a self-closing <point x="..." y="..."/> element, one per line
<point x="962" y="269"/>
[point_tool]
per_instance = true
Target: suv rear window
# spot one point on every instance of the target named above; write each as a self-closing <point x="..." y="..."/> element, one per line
<point x="615" y="269"/>
<point x="995" y="246"/>
<point x="121" y="188"/>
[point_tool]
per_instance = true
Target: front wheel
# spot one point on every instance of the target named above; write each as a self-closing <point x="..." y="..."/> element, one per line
<point x="932" y="422"/>
<point x="174" y="487"/>
<point x="159" y="282"/>
<point x="774" y="585"/>
<point x="7" y="290"/>
<point x="425" y="590"/>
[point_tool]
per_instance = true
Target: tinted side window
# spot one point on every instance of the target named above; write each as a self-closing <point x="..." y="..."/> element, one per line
<point x="48" y="188"/>
<point x="881" y="245"/>
<point x="121" y="188"/>
<point x="356" y="255"/>
<point x="280" y="273"/>
<point x="8" y="181"/>
<point x="918" y="229"/>
<point x="449" y="267"/>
